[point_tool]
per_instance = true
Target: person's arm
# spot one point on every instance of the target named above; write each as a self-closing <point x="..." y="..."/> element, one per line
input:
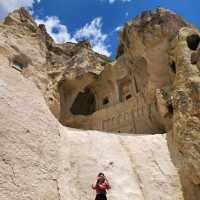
<point x="108" y="186"/>
<point x="93" y="187"/>
<point x="103" y="186"/>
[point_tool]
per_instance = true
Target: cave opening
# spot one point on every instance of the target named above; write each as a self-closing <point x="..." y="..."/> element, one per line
<point x="173" y="66"/>
<point x="84" y="103"/>
<point x="193" y="41"/>
<point x="19" y="63"/>
<point x="105" y="101"/>
<point x="128" y="96"/>
<point x="170" y="109"/>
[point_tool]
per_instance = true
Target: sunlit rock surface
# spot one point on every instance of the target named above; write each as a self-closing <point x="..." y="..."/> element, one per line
<point x="41" y="159"/>
<point x="151" y="88"/>
<point x="138" y="167"/>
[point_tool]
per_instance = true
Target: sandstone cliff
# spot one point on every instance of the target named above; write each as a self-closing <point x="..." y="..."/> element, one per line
<point x="151" y="88"/>
<point x="40" y="159"/>
<point x="184" y="140"/>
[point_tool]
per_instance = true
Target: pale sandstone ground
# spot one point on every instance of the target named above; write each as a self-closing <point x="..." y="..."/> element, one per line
<point x="41" y="160"/>
<point x="138" y="167"/>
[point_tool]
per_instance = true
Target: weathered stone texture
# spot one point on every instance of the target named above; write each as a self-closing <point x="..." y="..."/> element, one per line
<point x="124" y="95"/>
<point x="152" y="87"/>
<point x="29" y="139"/>
<point x="184" y="137"/>
<point x="126" y="160"/>
<point x="40" y="159"/>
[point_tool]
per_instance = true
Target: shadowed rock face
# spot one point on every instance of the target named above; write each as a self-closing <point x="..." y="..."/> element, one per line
<point x="152" y="87"/>
<point x="40" y="159"/>
<point x="124" y="94"/>
<point x="184" y="138"/>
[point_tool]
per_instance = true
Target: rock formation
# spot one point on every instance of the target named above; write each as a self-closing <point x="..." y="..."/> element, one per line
<point x="184" y="140"/>
<point x="151" y="88"/>
<point x="40" y="159"/>
<point x="123" y="95"/>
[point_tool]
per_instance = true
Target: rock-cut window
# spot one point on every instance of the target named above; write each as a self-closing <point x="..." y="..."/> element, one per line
<point x="84" y="103"/>
<point x="18" y="63"/>
<point x="105" y="101"/>
<point x="193" y="41"/>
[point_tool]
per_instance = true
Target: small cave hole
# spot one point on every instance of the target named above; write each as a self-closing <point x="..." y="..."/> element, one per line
<point x="18" y="66"/>
<point x="173" y="66"/>
<point x="84" y="104"/>
<point x="193" y="41"/>
<point x="19" y="63"/>
<point x="50" y="99"/>
<point x="170" y="109"/>
<point x="128" y="96"/>
<point x="105" y="101"/>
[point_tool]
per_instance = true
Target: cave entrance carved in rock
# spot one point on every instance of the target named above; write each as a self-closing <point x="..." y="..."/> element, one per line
<point x="193" y="41"/>
<point x="84" y="103"/>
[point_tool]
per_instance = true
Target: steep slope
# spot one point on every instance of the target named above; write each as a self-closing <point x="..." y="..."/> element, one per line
<point x="138" y="167"/>
<point x="29" y="138"/>
<point x="41" y="159"/>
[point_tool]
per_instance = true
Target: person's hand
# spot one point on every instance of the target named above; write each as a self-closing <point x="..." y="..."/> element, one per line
<point x="106" y="180"/>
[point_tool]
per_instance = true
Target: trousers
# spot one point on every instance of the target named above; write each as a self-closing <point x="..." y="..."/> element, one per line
<point x="101" y="197"/>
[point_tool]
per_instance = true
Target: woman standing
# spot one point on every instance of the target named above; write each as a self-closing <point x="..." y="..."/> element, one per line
<point x="101" y="186"/>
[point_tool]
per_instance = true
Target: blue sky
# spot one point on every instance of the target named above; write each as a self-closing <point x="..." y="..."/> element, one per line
<point x="97" y="20"/>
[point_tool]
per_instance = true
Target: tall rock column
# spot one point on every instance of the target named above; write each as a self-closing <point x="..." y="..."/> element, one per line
<point x="184" y="140"/>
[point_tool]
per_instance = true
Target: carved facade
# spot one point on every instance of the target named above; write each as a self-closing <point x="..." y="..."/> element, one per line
<point x="114" y="101"/>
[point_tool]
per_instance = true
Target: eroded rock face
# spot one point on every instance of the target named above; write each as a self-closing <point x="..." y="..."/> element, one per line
<point x="124" y="98"/>
<point x="184" y="138"/>
<point x="33" y="52"/>
<point x="40" y="159"/>
<point x="86" y="90"/>
<point x="29" y="140"/>
<point x="125" y="159"/>
<point x="152" y="87"/>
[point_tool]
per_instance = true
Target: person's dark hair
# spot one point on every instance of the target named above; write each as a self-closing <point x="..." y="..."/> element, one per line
<point x="101" y="174"/>
<point x="98" y="181"/>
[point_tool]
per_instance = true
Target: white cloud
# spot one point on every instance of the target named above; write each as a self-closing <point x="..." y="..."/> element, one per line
<point x="113" y="1"/>
<point x="7" y="6"/>
<point x="93" y="32"/>
<point x="58" y="31"/>
<point x="119" y="28"/>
